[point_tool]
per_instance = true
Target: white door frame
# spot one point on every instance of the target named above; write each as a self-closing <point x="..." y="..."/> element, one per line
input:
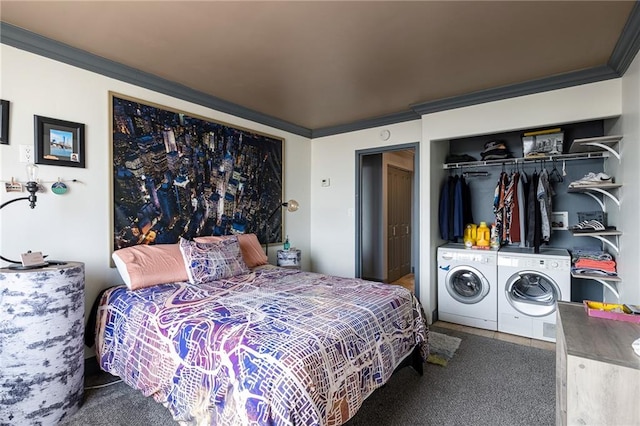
<point x="415" y="217"/>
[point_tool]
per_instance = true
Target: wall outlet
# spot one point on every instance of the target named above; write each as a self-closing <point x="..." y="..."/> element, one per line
<point x="26" y="154"/>
<point x="325" y="182"/>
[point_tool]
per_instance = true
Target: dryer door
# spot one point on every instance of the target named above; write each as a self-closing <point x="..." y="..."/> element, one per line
<point x="532" y="293"/>
<point x="466" y="284"/>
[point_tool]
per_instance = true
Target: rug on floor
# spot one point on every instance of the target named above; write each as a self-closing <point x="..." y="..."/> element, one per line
<point x="442" y="348"/>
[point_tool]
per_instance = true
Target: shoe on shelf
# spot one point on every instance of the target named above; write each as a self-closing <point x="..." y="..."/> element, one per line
<point x="592" y="178"/>
<point x="588" y="225"/>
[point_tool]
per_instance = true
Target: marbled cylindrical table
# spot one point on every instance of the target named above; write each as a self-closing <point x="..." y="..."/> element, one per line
<point x="41" y="344"/>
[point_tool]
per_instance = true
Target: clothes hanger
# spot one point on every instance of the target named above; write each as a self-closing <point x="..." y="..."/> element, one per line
<point x="555" y="173"/>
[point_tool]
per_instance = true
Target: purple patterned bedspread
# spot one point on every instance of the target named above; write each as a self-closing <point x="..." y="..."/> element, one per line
<point x="273" y="347"/>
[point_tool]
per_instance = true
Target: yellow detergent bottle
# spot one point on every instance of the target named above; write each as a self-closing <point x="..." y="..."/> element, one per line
<point x="470" y="235"/>
<point x="483" y="235"/>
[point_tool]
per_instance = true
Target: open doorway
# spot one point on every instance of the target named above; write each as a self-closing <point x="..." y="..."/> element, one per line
<point x="387" y="232"/>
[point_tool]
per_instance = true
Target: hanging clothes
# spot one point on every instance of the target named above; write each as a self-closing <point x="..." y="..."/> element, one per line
<point x="454" y="210"/>
<point x="453" y="181"/>
<point x="523" y="184"/>
<point x="467" y="214"/>
<point x="514" y="227"/>
<point x="532" y="207"/>
<point x="544" y="193"/>
<point x="443" y="211"/>
<point x="458" y="209"/>
<point x="509" y="193"/>
<point x="499" y="205"/>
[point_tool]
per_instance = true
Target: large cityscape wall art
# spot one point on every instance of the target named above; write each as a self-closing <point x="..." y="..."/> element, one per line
<point x="178" y="175"/>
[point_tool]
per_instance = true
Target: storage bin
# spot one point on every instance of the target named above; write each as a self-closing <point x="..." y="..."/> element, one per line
<point x="542" y="143"/>
<point x="600" y="216"/>
<point x="612" y="311"/>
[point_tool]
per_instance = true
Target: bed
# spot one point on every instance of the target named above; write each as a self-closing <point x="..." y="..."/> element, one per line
<point x="268" y="346"/>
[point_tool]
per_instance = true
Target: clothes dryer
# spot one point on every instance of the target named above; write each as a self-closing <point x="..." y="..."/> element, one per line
<point x="467" y="286"/>
<point x="530" y="285"/>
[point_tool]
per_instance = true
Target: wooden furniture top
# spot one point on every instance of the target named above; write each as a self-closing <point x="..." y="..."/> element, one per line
<point x="598" y="339"/>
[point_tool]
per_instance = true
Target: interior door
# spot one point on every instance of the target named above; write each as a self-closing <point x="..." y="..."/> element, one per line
<point x="399" y="202"/>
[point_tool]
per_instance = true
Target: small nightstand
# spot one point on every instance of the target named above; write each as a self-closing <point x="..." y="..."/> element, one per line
<point x="42" y="350"/>
<point x="290" y="258"/>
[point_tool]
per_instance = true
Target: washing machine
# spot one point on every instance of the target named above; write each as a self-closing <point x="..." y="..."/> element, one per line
<point x="530" y="285"/>
<point x="467" y="291"/>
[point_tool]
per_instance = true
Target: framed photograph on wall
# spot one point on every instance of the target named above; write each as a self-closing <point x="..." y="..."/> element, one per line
<point x="4" y="122"/>
<point x="59" y="142"/>
<point x="177" y="174"/>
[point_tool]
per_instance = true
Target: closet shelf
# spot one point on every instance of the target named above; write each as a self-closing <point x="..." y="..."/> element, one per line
<point x="596" y="144"/>
<point x="615" y="279"/>
<point x="523" y="160"/>
<point x="599" y="188"/>
<point x="596" y="233"/>
<point x="609" y="282"/>
<point x="582" y="188"/>
<point x="601" y="235"/>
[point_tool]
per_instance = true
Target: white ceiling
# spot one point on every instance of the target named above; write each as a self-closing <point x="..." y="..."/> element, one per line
<point x="319" y="64"/>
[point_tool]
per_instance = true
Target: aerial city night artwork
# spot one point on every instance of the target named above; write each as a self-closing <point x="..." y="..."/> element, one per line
<point x="175" y="176"/>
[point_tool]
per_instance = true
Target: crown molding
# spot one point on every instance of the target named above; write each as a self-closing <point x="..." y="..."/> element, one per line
<point x="628" y="44"/>
<point x="546" y="84"/>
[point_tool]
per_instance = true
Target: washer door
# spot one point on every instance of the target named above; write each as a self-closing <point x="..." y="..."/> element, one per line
<point x="532" y="293"/>
<point x="466" y="284"/>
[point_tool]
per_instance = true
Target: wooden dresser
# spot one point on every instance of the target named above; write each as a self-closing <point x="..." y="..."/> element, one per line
<point x="597" y="371"/>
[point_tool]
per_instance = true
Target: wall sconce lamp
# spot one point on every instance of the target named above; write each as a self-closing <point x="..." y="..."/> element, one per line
<point x="292" y="206"/>
<point x="32" y="188"/>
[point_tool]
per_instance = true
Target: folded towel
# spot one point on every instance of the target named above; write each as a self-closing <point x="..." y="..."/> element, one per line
<point x="604" y="265"/>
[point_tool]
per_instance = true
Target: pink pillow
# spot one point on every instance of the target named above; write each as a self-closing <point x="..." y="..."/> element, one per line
<point x="148" y="265"/>
<point x="250" y="247"/>
<point x="252" y="251"/>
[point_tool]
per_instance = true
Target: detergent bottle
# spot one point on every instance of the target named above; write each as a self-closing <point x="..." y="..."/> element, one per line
<point x="483" y="235"/>
<point x="495" y="239"/>
<point x="470" y="235"/>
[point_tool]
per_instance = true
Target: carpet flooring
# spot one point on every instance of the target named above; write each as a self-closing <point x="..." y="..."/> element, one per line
<point x="487" y="382"/>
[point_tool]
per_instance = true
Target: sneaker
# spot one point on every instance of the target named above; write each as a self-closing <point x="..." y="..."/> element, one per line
<point x="588" y="225"/>
<point x="592" y="178"/>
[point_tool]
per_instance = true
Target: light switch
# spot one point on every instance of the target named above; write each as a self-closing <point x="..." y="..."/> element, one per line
<point x="325" y="182"/>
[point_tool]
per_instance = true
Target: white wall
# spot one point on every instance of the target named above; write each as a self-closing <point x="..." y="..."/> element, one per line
<point x="332" y="217"/>
<point x="628" y="174"/>
<point x="76" y="226"/>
